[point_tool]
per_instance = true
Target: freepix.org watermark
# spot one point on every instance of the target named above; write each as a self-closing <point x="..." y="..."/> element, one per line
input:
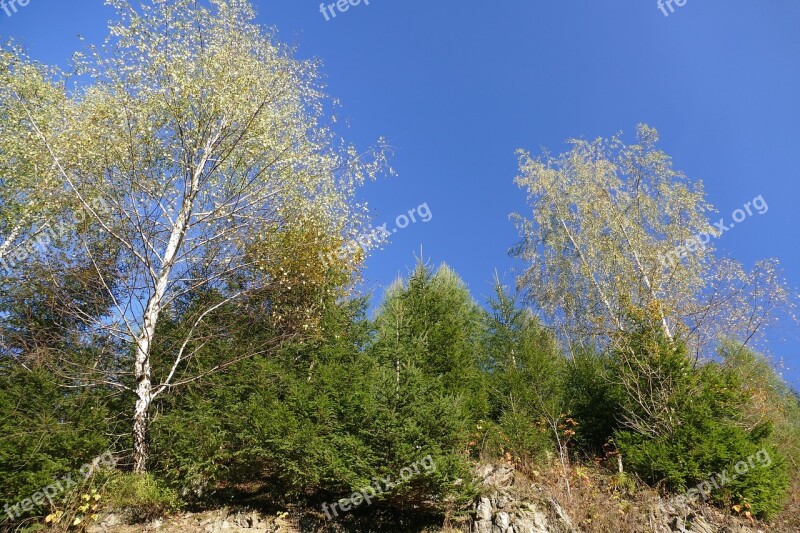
<point x="49" y="234"/>
<point x="378" y="487"/>
<point x="377" y="235"/>
<point x="330" y="11"/>
<point x="700" y="240"/>
<point x="664" y="4"/>
<point x="58" y="487"/>
<point x="717" y="481"/>
<point x="10" y="6"/>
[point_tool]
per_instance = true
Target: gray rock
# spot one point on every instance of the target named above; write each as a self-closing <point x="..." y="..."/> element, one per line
<point x="531" y="522"/>
<point x="499" y="476"/>
<point x="484" y="509"/>
<point x="481" y="526"/>
<point x="503" y="476"/>
<point x="502" y="523"/>
<point x="503" y="500"/>
<point x="501" y="512"/>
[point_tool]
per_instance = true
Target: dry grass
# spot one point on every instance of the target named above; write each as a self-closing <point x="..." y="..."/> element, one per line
<point x="789" y="518"/>
<point x="600" y="501"/>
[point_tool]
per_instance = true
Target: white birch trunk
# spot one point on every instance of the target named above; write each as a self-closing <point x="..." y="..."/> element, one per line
<point x="144" y="385"/>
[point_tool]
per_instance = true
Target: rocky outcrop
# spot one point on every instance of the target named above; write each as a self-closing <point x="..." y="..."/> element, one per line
<point x="502" y="511"/>
<point x="507" y="508"/>
<point x="677" y="515"/>
<point x="510" y="503"/>
<point x="221" y="521"/>
<point x="498" y="514"/>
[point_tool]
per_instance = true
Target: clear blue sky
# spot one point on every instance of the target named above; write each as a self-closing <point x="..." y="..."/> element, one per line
<point x="457" y="86"/>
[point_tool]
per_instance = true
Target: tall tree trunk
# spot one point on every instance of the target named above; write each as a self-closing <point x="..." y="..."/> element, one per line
<point x="144" y="389"/>
<point x="144" y="385"/>
<point x="141" y="423"/>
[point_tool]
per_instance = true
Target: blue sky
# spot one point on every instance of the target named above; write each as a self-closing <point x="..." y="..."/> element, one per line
<point x="457" y="87"/>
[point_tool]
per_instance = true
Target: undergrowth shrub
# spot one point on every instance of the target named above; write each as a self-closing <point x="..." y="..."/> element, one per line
<point x="678" y="424"/>
<point x="143" y="496"/>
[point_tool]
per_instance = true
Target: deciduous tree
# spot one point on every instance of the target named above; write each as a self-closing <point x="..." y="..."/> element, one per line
<point x="604" y="215"/>
<point x="207" y="141"/>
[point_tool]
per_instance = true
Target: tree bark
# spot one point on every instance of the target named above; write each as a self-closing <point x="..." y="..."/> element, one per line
<point x="141" y="429"/>
<point x="144" y="387"/>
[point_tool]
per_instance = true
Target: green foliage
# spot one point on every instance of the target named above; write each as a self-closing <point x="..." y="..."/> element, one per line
<point x="593" y="400"/>
<point x="357" y="400"/>
<point x="517" y="436"/>
<point x="215" y="280"/>
<point x="364" y="399"/>
<point x="768" y="398"/>
<point x="48" y="431"/>
<point x="699" y="453"/>
<point x="681" y="424"/>
<point x="433" y="325"/>
<point x="323" y="415"/>
<point x="142" y="495"/>
<point x="525" y="374"/>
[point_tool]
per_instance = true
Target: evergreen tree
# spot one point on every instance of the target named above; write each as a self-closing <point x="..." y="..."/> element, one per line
<point x="431" y="324"/>
<point x="526" y="372"/>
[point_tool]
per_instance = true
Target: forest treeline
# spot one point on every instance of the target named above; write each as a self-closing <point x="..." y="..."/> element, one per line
<point x="178" y="326"/>
<point x="433" y="374"/>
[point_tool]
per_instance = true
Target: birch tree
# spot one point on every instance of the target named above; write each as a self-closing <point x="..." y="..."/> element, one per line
<point x="29" y="190"/>
<point x="207" y="141"/>
<point x="604" y="216"/>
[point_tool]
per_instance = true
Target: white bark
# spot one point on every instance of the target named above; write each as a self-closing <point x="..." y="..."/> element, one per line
<point x="9" y="240"/>
<point x="638" y="263"/>
<point x="199" y="171"/>
<point x="144" y="386"/>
